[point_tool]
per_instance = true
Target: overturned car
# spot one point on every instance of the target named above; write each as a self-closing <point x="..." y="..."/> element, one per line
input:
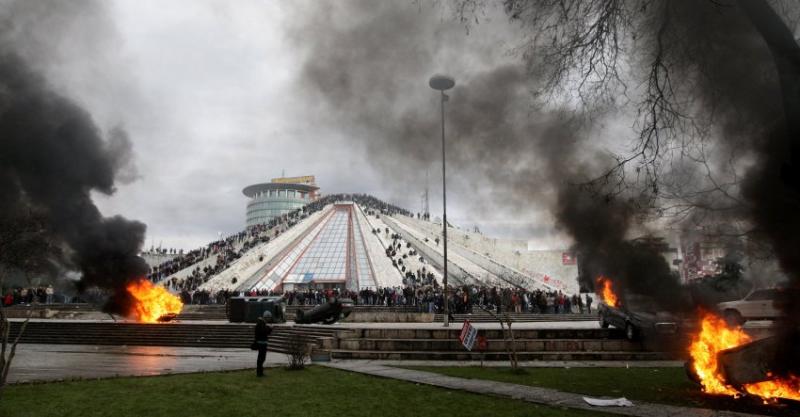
<point x="249" y="309"/>
<point x="328" y="313"/>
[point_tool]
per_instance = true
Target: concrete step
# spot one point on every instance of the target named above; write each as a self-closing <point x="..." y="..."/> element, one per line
<point x="202" y="316"/>
<point x="454" y="332"/>
<point x="493" y="345"/>
<point x="464" y="355"/>
<point x="167" y="334"/>
<point x="483" y="317"/>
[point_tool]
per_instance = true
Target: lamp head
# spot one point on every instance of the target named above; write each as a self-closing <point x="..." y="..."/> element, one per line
<point x="442" y="82"/>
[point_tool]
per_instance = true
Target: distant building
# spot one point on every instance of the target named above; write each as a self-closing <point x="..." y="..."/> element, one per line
<point x="700" y="258"/>
<point x="278" y="197"/>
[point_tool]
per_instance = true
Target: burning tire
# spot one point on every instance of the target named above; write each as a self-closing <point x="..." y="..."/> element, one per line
<point x="688" y="366"/>
<point x="734" y="318"/>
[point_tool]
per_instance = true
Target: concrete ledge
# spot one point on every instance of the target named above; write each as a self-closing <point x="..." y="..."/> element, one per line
<point x="493" y="345"/>
<point x="500" y="356"/>
<point x="388" y="317"/>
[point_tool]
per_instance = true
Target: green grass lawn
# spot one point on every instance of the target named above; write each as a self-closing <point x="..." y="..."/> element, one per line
<point x="657" y="385"/>
<point x="316" y="391"/>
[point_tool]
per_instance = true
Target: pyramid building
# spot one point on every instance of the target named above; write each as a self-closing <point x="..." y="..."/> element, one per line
<point x="331" y="253"/>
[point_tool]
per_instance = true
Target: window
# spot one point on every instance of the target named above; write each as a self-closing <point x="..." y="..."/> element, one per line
<point x="762" y="295"/>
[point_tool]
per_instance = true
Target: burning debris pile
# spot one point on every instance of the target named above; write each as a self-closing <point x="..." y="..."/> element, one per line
<point x="152" y="303"/>
<point x="716" y="339"/>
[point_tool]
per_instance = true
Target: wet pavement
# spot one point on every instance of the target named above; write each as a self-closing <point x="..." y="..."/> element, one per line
<point x="35" y="362"/>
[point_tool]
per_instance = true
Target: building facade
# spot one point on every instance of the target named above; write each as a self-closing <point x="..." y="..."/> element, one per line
<point x="280" y="196"/>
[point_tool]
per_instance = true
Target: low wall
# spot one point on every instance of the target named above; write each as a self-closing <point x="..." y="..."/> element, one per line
<point x="56" y="311"/>
<point x="388" y="317"/>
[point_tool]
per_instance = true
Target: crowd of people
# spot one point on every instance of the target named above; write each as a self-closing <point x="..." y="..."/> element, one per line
<point x="420" y="288"/>
<point x="22" y="295"/>
<point x="427" y="298"/>
<point x="227" y="250"/>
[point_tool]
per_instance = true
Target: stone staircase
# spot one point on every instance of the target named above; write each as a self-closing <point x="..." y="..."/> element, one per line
<point x="483" y="317"/>
<point x="531" y="345"/>
<point x="37" y="311"/>
<point x="194" y="312"/>
<point x="166" y="334"/>
<point x="345" y="342"/>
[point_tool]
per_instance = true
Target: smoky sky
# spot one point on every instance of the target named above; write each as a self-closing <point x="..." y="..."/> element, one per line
<point x="215" y="97"/>
<point x="370" y="64"/>
<point x="53" y="156"/>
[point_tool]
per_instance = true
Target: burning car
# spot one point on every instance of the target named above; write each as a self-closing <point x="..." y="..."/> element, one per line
<point x="725" y="360"/>
<point x="638" y="316"/>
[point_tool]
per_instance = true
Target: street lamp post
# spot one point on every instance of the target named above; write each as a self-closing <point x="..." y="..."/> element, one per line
<point x="442" y="83"/>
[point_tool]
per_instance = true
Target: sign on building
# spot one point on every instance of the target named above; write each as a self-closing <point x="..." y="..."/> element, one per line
<point x="307" y="179"/>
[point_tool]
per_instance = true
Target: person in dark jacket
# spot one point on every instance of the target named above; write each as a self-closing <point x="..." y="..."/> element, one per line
<point x="262" y="334"/>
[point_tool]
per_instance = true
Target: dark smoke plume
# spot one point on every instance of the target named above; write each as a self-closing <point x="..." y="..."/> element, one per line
<point x="52" y="156"/>
<point x="742" y="64"/>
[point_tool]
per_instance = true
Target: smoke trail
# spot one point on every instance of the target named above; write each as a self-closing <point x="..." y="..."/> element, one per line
<point x="52" y="157"/>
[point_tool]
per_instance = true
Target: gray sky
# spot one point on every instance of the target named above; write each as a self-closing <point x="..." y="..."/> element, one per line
<point x="214" y="96"/>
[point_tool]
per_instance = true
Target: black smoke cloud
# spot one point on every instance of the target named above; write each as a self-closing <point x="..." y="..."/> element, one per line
<point x="742" y="63"/>
<point x="52" y="156"/>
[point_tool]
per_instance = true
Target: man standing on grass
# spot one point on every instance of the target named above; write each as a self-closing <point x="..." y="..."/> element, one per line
<point x="261" y="336"/>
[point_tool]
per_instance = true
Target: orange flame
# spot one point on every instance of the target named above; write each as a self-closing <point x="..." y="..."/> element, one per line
<point x="608" y="295"/>
<point x="776" y="388"/>
<point x="715" y="335"/>
<point x="152" y="301"/>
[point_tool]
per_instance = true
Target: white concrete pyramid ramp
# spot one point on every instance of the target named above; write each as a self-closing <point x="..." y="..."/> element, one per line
<point x="482" y="275"/>
<point x="412" y="262"/>
<point x="386" y="274"/>
<point x="465" y="248"/>
<point x="258" y="256"/>
<point x="272" y="275"/>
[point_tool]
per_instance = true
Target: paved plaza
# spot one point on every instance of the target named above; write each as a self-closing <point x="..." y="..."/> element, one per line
<point x="37" y="362"/>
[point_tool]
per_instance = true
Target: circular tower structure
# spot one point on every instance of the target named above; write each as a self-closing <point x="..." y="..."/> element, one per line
<point x="278" y="197"/>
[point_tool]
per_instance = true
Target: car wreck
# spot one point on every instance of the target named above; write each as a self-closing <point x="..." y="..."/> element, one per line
<point x="638" y="316"/>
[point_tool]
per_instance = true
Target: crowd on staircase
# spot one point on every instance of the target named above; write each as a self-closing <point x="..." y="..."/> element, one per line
<point x="420" y="289"/>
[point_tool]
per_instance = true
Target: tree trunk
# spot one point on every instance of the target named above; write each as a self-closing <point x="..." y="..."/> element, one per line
<point x="5" y="334"/>
<point x="786" y="54"/>
<point x="514" y="361"/>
